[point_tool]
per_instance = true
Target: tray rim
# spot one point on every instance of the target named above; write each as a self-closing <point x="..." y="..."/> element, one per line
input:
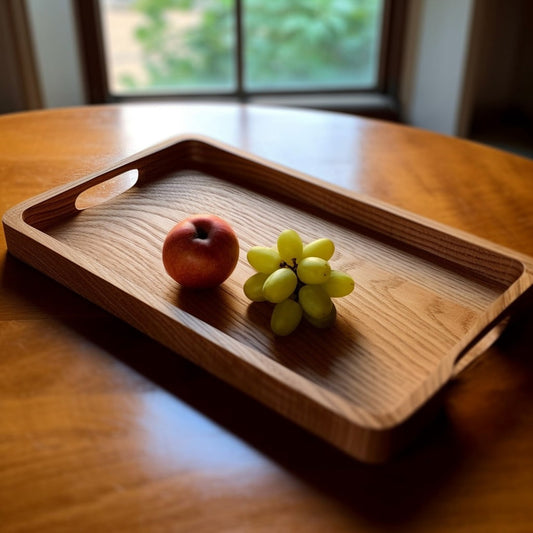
<point x="17" y="222"/>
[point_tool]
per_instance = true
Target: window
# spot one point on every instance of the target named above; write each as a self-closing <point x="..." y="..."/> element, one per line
<point x="239" y="48"/>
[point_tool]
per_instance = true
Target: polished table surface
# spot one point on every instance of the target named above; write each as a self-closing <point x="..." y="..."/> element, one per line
<point x="103" y="429"/>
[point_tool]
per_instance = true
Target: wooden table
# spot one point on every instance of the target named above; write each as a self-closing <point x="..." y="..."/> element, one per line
<point x="103" y="429"/>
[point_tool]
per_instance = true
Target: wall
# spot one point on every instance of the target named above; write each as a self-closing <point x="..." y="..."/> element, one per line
<point x="438" y="39"/>
<point x="57" y="55"/>
<point x="13" y="96"/>
<point x="503" y="67"/>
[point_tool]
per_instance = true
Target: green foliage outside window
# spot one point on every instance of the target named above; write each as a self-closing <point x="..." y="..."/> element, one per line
<point x="287" y="43"/>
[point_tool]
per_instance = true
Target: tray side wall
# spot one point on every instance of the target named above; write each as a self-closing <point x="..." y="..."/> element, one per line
<point x="403" y="227"/>
<point x="383" y="219"/>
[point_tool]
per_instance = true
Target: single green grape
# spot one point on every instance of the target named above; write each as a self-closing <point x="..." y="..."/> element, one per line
<point x="253" y="287"/>
<point x="325" y="322"/>
<point x="264" y="259"/>
<point x="285" y="317"/>
<point x="323" y="248"/>
<point x="280" y="285"/>
<point x="315" y="301"/>
<point x="313" y="270"/>
<point x="290" y="246"/>
<point x="339" y="284"/>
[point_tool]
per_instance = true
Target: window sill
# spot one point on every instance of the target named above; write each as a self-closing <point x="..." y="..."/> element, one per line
<point x="373" y="105"/>
<point x="366" y="104"/>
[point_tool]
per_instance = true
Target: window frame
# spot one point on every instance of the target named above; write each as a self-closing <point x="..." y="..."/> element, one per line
<point x="380" y="101"/>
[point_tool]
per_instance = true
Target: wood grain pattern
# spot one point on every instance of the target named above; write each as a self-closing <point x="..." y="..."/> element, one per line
<point x="424" y="295"/>
<point x="103" y="428"/>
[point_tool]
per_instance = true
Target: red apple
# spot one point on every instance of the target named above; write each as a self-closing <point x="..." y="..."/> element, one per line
<point x="201" y="251"/>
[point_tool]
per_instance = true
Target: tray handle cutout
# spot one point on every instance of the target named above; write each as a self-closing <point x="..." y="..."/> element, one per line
<point x="495" y="326"/>
<point x="73" y="199"/>
<point x="480" y="345"/>
<point x="106" y="190"/>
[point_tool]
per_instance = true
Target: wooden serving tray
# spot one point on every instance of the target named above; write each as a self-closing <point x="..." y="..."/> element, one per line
<point x="425" y="295"/>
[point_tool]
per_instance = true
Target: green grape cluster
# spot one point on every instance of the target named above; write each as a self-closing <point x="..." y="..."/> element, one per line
<point x="298" y="279"/>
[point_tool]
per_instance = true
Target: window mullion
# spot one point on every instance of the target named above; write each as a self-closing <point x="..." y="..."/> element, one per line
<point x="239" y="48"/>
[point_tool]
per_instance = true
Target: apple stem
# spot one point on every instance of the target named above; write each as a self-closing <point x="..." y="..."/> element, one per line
<point x="200" y="233"/>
